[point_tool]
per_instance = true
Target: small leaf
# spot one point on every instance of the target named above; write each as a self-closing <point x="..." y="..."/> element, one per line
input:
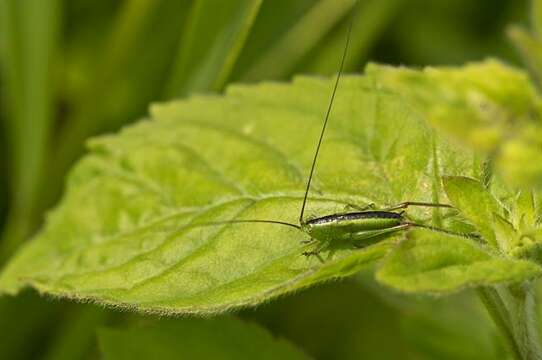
<point x="475" y="203"/>
<point x="436" y="263"/>
<point x="505" y="233"/>
<point x="219" y="338"/>
<point x="525" y="210"/>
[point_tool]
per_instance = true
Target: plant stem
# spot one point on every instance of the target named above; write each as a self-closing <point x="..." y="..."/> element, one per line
<point x="522" y="309"/>
<point x="496" y="309"/>
<point x="513" y="309"/>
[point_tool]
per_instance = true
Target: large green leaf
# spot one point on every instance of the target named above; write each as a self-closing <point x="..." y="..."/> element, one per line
<point x="123" y="232"/>
<point x="440" y="263"/>
<point x="220" y="338"/>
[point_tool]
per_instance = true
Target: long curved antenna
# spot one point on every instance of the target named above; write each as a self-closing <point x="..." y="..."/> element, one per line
<point x="325" y="121"/>
<point x="245" y="221"/>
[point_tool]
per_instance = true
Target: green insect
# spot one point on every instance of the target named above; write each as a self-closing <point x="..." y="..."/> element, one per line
<point x="355" y="228"/>
<point x="351" y="229"/>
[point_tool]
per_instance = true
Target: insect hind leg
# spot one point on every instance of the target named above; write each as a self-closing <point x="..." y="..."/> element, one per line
<point x="406" y="204"/>
<point x="473" y="236"/>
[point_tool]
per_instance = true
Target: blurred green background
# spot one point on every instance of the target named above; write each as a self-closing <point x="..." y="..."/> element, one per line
<point x="73" y="69"/>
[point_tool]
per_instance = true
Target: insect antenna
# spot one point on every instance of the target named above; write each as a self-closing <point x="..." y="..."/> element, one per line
<point x="328" y="112"/>
<point x="247" y="221"/>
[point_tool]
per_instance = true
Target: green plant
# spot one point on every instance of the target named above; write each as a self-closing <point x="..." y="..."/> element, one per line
<point x="125" y="232"/>
<point x="133" y="244"/>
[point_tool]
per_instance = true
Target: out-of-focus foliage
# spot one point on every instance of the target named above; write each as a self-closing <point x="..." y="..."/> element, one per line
<point x="528" y="42"/>
<point x="219" y="338"/>
<point x="73" y="69"/>
<point x="370" y="318"/>
<point x="490" y="107"/>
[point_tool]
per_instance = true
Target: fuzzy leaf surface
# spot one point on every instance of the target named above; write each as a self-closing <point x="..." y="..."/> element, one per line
<point x="125" y="232"/>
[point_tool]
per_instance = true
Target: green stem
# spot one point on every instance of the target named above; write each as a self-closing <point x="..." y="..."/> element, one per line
<point x="521" y="306"/>
<point x="496" y="309"/>
<point x="513" y="309"/>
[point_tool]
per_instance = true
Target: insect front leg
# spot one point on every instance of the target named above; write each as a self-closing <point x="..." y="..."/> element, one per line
<point x="319" y="248"/>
